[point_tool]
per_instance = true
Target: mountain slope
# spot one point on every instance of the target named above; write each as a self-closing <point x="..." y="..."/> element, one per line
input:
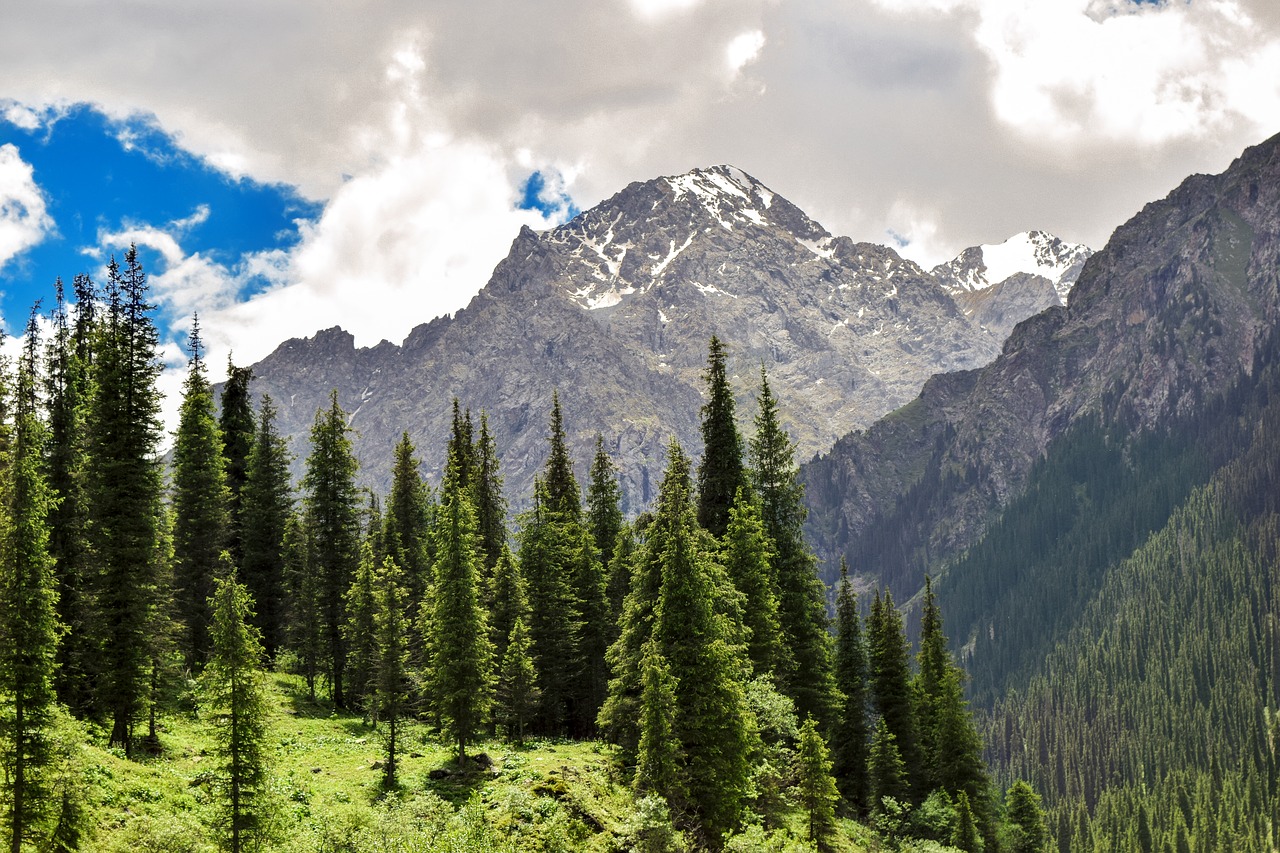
<point x="616" y="307"/>
<point x="1169" y="312"/>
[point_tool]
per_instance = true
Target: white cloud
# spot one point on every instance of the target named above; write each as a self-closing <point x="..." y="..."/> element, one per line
<point x="744" y="48"/>
<point x="656" y="9"/>
<point x="24" y="221"/>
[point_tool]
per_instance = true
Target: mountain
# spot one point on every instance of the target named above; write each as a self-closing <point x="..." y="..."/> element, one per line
<point x="615" y="309"/>
<point x="998" y="286"/>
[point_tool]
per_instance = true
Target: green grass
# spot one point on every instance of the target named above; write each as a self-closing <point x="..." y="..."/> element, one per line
<point x="327" y="795"/>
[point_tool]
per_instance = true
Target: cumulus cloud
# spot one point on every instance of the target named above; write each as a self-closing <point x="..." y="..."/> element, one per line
<point x="24" y="220"/>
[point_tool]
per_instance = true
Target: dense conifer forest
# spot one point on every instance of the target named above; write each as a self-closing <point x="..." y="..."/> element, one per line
<point x="145" y="604"/>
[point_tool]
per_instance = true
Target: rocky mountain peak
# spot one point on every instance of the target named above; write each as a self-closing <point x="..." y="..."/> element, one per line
<point x="1037" y="253"/>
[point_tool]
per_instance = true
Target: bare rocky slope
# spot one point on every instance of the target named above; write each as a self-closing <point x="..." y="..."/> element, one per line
<point x="615" y="309"/>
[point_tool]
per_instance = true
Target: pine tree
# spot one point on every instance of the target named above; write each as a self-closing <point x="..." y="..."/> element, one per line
<point x="360" y="635"/>
<point x="886" y="772"/>
<point x="562" y="494"/>
<point x="237" y="702"/>
<point x="933" y="664"/>
<point x="67" y="393"/>
<point x="391" y="678"/>
<point x="200" y="504"/>
<point x="29" y="628"/>
<point x="966" y="836"/>
<point x="406" y="521"/>
<point x="236" y="426"/>
<point x="817" y="790"/>
<point x="491" y="506"/>
<point x="462" y="655"/>
<point x="659" y="764"/>
<point x="304" y="628"/>
<point x="713" y="724"/>
<point x="591" y="685"/>
<point x="747" y="554"/>
<point x="266" y="506"/>
<point x="720" y="473"/>
<point x="850" y="733"/>
<point x="517" y="693"/>
<point x="333" y="519"/>
<point x="802" y="608"/>
<point x="123" y="479"/>
<point x="890" y="678"/>
<point x="604" y="508"/>
<point x="510" y="602"/>
<point x="1027" y="832"/>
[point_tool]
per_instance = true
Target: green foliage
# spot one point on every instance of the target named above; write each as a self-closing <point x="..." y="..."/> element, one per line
<point x="850" y="734"/>
<point x="122" y="476"/>
<point x="29" y="628"/>
<point x="747" y="554"/>
<point x="332" y="519"/>
<point x="720" y="473"/>
<point x="491" y="506"/>
<point x="201" y="501"/>
<point x="360" y="635"/>
<point x="562" y="494"/>
<point x="816" y="789"/>
<point x="891" y="694"/>
<point x="965" y="836"/>
<point x="886" y="772"/>
<point x="390" y="686"/>
<point x="802" y="603"/>
<point x="266" y="505"/>
<point x="604" y="520"/>
<point x="236" y="426"/>
<point x="1025" y="830"/>
<point x="407" y="521"/>
<point x="517" y="693"/>
<point x="236" y="703"/>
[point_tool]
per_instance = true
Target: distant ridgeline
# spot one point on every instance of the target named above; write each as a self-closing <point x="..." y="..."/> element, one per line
<point x="695" y="638"/>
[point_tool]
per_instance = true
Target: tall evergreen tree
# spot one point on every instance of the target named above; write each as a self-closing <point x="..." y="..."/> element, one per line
<point x="1027" y="831"/>
<point x="461" y="450"/>
<point x="517" y="690"/>
<point x="747" y="554"/>
<point x="200" y="504"/>
<point x="802" y="608"/>
<point x="29" y="628"/>
<point x="360" y="634"/>
<point x="604" y="507"/>
<point x="713" y="725"/>
<point x="850" y="734"/>
<point x="886" y="772"/>
<point x="391" y="678"/>
<point x="562" y="493"/>
<point x="889" y="667"/>
<point x="660" y="760"/>
<point x="67" y="392"/>
<point x="966" y="836"/>
<point x="510" y="601"/>
<point x="236" y="695"/>
<point x="332" y="509"/>
<point x="933" y="663"/>
<point x="304" y="625"/>
<point x="236" y="426"/>
<point x="123" y="479"/>
<point x="462" y="656"/>
<point x="720" y="473"/>
<point x="817" y="790"/>
<point x="491" y="506"/>
<point x="590" y="589"/>
<point x="406" y="521"/>
<point x="266" y="506"/>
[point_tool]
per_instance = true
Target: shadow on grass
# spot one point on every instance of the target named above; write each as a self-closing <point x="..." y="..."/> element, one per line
<point x="456" y="785"/>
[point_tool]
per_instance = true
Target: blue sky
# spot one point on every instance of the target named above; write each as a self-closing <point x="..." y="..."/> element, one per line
<point x="101" y="177"/>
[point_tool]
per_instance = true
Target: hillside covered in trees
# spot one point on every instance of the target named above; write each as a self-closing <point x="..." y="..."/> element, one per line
<point x="143" y="606"/>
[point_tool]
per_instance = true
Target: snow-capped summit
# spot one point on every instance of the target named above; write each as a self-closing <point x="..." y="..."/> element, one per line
<point x="1034" y="253"/>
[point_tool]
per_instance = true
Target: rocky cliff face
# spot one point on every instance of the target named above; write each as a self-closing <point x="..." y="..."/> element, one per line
<point x="1169" y="313"/>
<point x="615" y="309"/>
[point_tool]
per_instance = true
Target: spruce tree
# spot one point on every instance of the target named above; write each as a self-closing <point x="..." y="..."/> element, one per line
<point x="510" y="601"/>
<point x="517" y="691"/>
<point x="332" y="509"/>
<point x="236" y="698"/>
<point x="591" y="685"/>
<point x="391" y="675"/>
<point x="123" y="480"/>
<point x="890" y="678"/>
<point x="747" y="554"/>
<point x="304" y="626"/>
<point x="562" y="494"/>
<point x="360" y="635"/>
<point x="604" y="509"/>
<point x="802" y="608"/>
<point x="659" y="762"/>
<point x="406" y="521"/>
<point x="933" y="663"/>
<point x="462" y="656"/>
<point x="67" y="392"/>
<point x="235" y="423"/>
<point x="200" y="505"/>
<point x="850" y="732"/>
<point x="816" y="789"/>
<point x="1026" y="830"/>
<point x="886" y="772"/>
<point x="491" y="506"/>
<point x="29" y="628"/>
<point x="720" y="473"/>
<point x="266" y="506"/>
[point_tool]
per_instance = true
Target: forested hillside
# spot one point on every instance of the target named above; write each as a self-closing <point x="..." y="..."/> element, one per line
<point x="143" y="604"/>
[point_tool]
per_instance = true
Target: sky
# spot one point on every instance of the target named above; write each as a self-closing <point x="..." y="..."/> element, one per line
<point x="289" y="166"/>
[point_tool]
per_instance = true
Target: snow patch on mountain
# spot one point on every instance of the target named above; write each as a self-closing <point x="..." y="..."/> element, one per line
<point x="1030" y="252"/>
